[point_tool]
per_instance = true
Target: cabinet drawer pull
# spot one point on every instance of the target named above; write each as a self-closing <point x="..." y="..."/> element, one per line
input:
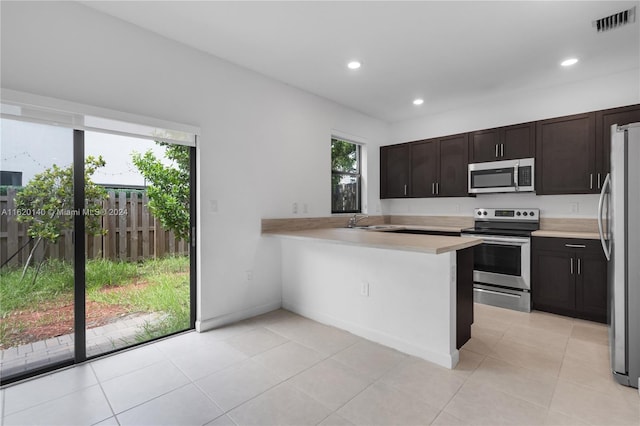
<point x="405" y="190"/>
<point x="433" y="188"/>
<point x="590" y="180"/>
<point x="437" y="188"/>
<point x="575" y="245"/>
<point x="496" y="150"/>
<point x="572" y="266"/>
<point x="579" y="268"/>
<point x="501" y="150"/>
<point x="598" y="180"/>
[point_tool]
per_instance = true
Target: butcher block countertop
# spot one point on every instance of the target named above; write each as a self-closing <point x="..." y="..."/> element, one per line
<point x="432" y="244"/>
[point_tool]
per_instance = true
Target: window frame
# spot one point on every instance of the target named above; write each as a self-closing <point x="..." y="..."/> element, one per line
<point x="357" y="175"/>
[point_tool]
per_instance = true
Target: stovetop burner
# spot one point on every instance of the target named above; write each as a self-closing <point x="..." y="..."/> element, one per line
<point x="508" y="222"/>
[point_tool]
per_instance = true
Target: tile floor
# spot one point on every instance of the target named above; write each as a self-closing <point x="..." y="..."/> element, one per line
<point x="280" y="368"/>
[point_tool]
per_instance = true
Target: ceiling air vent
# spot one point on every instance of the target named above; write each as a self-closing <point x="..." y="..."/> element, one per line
<point x="616" y="20"/>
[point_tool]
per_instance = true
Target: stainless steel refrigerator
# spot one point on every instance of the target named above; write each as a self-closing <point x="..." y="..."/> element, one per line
<point x="619" y="226"/>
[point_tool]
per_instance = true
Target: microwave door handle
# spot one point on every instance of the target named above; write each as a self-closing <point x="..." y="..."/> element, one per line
<point x="515" y="174"/>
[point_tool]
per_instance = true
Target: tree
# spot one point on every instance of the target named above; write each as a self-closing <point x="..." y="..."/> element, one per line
<point x="46" y="204"/>
<point x="169" y="194"/>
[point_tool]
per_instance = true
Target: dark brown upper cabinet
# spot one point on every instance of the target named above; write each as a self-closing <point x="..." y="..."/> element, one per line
<point x="453" y="168"/>
<point x="424" y="168"/>
<point x="566" y="155"/>
<point x="395" y="165"/>
<point x="428" y="168"/>
<point x="502" y="143"/>
<point x="604" y="120"/>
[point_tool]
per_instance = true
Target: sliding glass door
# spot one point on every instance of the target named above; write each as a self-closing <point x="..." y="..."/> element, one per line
<point x="36" y="247"/>
<point x="137" y="253"/>
<point x="95" y="244"/>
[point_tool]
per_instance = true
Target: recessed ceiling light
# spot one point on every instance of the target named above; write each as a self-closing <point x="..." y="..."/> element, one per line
<point x="354" y="65"/>
<point x="418" y="101"/>
<point x="569" y="62"/>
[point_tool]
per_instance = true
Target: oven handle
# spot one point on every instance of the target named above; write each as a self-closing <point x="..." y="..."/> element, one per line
<point x="499" y="293"/>
<point x="499" y="240"/>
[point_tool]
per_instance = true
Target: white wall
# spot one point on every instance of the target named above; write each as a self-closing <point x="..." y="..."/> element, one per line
<point x="263" y="145"/>
<point x="518" y="107"/>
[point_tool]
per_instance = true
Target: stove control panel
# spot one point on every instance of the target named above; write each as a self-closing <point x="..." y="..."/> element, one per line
<point x="519" y="215"/>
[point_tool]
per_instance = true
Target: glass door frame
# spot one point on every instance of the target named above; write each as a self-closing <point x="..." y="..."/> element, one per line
<point x="79" y="242"/>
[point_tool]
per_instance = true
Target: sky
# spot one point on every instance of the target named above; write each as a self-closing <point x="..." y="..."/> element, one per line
<point x="31" y="148"/>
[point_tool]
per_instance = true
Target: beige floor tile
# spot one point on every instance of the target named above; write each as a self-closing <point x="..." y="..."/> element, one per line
<point x="483" y="405"/>
<point x="482" y="340"/>
<point x="425" y="381"/>
<point x="331" y="382"/>
<point x="335" y="420"/>
<point x="282" y="405"/>
<point x="324" y="339"/>
<point x="558" y="419"/>
<point x="542" y="359"/>
<point x="256" y="341"/>
<point x="549" y="322"/>
<point x="288" y="359"/>
<point x="536" y="337"/>
<point x="446" y="419"/>
<point x="370" y="359"/>
<point x="223" y="420"/>
<point x="468" y="362"/>
<point x="594" y="407"/>
<point x="588" y="352"/>
<point x="273" y="317"/>
<point x="592" y="333"/>
<point x="236" y="385"/>
<point x="291" y="327"/>
<point x="596" y="376"/>
<point x="532" y="386"/>
<point x="381" y="404"/>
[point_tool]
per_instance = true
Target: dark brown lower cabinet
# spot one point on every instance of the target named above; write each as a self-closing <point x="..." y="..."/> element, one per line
<point x="464" y="295"/>
<point x="569" y="277"/>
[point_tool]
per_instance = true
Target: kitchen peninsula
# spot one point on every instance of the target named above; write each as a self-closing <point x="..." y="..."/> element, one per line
<point x="410" y="292"/>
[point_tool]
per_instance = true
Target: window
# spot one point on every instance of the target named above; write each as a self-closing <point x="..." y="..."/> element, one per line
<point x="345" y="177"/>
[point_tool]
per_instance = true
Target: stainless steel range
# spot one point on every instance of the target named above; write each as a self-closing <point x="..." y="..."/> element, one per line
<point x="502" y="263"/>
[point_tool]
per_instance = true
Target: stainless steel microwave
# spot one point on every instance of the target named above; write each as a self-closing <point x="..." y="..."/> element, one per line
<point x="502" y="176"/>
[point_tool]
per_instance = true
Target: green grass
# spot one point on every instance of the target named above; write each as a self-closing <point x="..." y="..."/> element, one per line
<point x="152" y="286"/>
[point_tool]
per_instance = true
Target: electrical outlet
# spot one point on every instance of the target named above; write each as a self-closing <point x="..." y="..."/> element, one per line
<point x="575" y="207"/>
<point x="305" y="208"/>
<point x="213" y="206"/>
<point x="364" y="289"/>
<point x="294" y="208"/>
<point x="249" y="274"/>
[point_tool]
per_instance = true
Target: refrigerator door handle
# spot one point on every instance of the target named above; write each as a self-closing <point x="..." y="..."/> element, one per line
<point x="605" y="247"/>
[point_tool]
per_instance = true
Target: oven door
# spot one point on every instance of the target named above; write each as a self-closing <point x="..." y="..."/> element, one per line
<point x="503" y="261"/>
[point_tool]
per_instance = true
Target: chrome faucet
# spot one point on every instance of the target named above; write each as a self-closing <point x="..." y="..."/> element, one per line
<point x="353" y="220"/>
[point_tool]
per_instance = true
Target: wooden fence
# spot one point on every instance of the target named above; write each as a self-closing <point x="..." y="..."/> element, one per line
<point x="133" y="233"/>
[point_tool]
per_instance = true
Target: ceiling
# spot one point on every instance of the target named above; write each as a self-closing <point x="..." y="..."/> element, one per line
<point x="450" y="53"/>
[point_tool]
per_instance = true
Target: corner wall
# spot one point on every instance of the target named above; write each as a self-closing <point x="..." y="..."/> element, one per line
<point x="264" y="145"/>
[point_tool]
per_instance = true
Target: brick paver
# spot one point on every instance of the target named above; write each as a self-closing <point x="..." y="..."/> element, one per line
<point x="102" y="339"/>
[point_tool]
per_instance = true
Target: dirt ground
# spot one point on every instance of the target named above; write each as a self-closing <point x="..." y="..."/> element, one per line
<point x="56" y="319"/>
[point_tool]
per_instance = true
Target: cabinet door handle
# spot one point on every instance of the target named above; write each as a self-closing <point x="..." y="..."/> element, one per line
<point x="598" y="180"/>
<point x="496" y="150"/>
<point x="579" y="268"/>
<point x="501" y="150"/>
<point x="437" y="188"/>
<point x="572" y="266"/>
<point x="405" y="189"/>
<point x="575" y="245"/>
<point x="433" y="188"/>
<point x="590" y="180"/>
